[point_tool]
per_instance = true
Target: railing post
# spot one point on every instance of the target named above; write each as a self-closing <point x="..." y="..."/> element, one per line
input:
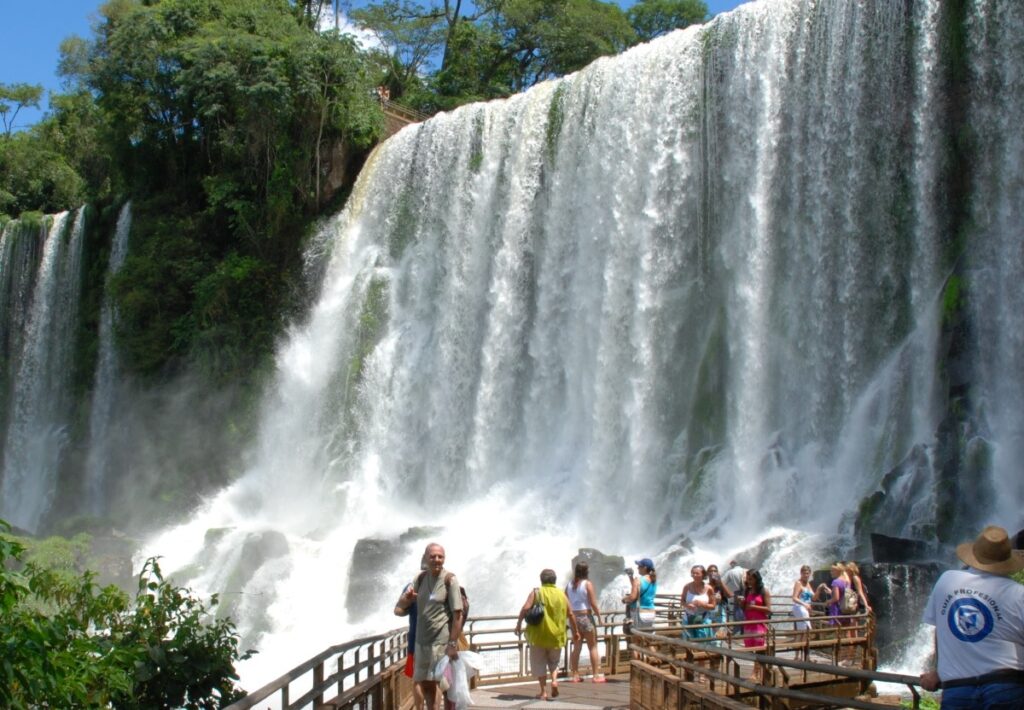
<point x="318" y="681"/>
<point x="341" y="676"/>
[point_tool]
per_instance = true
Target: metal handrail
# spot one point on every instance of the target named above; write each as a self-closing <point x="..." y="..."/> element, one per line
<point x="404" y="112"/>
<point x="372" y="666"/>
<point x="692" y="647"/>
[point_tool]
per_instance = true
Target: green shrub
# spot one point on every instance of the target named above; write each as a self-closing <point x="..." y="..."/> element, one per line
<point x="69" y="644"/>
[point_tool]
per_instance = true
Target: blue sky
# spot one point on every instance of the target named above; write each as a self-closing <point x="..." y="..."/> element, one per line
<point x="31" y="32"/>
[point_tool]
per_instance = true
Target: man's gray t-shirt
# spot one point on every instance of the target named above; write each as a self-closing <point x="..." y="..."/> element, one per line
<point x="432" y="608"/>
<point x="733" y="579"/>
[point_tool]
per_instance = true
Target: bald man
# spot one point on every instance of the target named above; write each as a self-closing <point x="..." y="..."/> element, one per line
<point x="435" y="592"/>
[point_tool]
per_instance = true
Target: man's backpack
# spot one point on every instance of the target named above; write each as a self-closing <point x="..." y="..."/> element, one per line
<point x="448" y="590"/>
<point x="848" y="604"/>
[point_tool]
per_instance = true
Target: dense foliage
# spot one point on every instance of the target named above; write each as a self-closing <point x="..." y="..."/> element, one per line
<point x="441" y="55"/>
<point x="232" y="124"/>
<point x="229" y="115"/>
<point x="69" y="644"/>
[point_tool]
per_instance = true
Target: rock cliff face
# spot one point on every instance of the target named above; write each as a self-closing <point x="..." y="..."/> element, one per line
<point x="898" y="593"/>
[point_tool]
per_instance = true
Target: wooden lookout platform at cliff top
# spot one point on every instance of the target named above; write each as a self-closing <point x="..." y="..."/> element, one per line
<point x="657" y="668"/>
<point x="397" y="117"/>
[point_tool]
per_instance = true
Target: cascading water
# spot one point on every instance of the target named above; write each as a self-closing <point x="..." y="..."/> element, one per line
<point x="39" y="399"/>
<point x="703" y="288"/>
<point x="107" y="381"/>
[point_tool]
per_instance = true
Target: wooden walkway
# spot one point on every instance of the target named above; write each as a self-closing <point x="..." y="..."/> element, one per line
<point x="652" y="670"/>
<point x="613" y="695"/>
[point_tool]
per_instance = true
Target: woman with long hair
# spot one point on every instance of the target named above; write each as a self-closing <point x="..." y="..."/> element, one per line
<point x="835" y="593"/>
<point x="583" y="606"/>
<point x="757" y="605"/>
<point x="858" y="586"/>
<point x="722" y="595"/>
<point x="643" y="589"/>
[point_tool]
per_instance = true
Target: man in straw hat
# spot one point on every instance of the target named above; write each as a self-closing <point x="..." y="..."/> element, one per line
<point x="978" y="615"/>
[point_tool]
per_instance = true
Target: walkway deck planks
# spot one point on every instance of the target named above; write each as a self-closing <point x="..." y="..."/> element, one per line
<point x="613" y="695"/>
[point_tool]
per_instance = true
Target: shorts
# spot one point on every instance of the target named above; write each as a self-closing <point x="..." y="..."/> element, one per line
<point x="801" y="612"/>
<point x="426" y="658"/>
<point x="544" y="660"/>
<point x="584" y="622"/>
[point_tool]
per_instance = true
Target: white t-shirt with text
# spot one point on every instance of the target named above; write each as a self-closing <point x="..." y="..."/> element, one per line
<point x="979" y="623"/>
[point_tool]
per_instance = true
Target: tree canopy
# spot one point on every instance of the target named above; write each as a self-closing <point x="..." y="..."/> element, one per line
<point x="226" y="120"/>
<point x="68" y="643"/>
<point x="653" y="18"/>
<point x="13" y="98"/>
<point x="232" y="123"/>
<point x="446" y="52"/>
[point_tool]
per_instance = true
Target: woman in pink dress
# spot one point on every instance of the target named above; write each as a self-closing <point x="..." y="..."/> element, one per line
<point x="757" y="606"/>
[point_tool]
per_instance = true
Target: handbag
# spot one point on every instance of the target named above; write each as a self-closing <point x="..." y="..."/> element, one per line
<point x="536" y="612"/>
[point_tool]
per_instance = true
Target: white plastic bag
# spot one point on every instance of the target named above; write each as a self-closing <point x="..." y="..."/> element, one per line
<point x="441" y="670"/>
<point x="457" y="674"/>
<point x="458" y="693"/>
<point x="474" y="662"/>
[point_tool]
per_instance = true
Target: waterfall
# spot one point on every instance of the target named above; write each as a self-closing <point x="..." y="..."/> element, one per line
<point x="995" y="255"/>
<point x="107" y="379"/>
<point x="39" y="399"/>
<point x="697" y="288"/>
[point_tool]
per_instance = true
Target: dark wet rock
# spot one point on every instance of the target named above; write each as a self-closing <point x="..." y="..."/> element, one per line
<point x="370" y="556"/>
<point x="899" y="550"/>
<point x="422" y="533"/>
<point x="755" y="557"/>
<point x="258" y="549"/>
<point x="603" y="568"/>
<point x="898" y="593"/>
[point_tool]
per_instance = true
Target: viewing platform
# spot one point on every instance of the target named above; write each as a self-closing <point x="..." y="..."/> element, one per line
<point x="397" y="116"/>
<point x="652" y="669"/>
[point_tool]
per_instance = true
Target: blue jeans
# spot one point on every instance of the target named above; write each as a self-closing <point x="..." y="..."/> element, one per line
<point x="990" y="696"/>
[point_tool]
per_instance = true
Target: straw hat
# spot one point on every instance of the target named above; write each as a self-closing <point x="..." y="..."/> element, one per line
<point x="991" y="552"/>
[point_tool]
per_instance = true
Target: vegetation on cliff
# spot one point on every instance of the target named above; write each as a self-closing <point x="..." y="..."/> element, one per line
<point x="67" y="643"/>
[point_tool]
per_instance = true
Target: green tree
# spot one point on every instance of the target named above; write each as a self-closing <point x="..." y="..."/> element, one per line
<point x="13" y="98"/>
<point x="409" y="35"/>
<point x="229" y="122"/>
<point x="502" y="48"/>
<point x="549" y="38"/>
<point x="35" y="177"/>
<point x="653" y="18"/>
<point x="69" y="644"/>
<point x="480" y="69"/>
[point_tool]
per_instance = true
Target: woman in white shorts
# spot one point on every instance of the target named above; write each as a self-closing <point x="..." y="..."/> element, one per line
<point x="583" y="607"/>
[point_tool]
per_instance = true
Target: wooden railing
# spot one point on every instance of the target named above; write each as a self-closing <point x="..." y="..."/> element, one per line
<point x="668" y="669"/>
<point x="364" y="673"/>
<point x="367" y="673"/>
<point x="406" y="113"/>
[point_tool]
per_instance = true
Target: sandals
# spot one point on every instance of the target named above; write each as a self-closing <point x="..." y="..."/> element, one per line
<point x="599" y="679"/>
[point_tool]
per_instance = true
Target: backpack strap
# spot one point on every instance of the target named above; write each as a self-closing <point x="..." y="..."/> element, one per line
<point x="448" y="593"/>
